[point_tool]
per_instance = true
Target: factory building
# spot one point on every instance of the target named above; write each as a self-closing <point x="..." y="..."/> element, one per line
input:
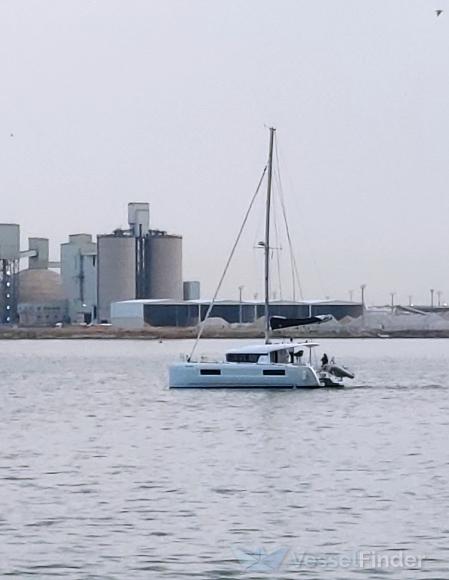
<point x="134" y="314"/>
<point x="79" y="277"/>
<point x="137" y="263"/>
<point x="132" y="263"/>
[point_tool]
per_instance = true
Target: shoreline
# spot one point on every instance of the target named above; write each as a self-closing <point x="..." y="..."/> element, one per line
<point x="170" y="333"/>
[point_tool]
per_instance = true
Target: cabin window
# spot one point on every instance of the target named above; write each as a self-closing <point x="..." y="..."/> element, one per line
<point x="280" y="356"/>
<point x="274" y="372"/>
<point x="242" y="357"/>
<point x="210" y="372"/>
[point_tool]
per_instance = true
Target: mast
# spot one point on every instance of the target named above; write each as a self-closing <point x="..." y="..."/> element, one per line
<point x="267" y="238"/>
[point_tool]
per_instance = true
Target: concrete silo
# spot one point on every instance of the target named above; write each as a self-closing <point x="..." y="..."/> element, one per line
<point x="116" y="271"/>
<point x="79" y="277"/>
<point x="192" y="290"/>
<point x="164" y="266"/>
<point x="137" y="263"/>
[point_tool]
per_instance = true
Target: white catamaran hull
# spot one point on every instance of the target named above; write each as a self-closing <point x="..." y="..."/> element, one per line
<point x="241" y="375"/>
<point x="260" y="366"/>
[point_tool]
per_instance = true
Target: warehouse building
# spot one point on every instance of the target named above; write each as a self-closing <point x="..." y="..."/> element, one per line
<point x="134" y="314"/>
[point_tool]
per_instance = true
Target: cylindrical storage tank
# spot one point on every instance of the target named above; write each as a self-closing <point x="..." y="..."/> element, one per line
<point x="191" y="290"/>
<point x="116" y="272"/>
<point x="164" y="267"/>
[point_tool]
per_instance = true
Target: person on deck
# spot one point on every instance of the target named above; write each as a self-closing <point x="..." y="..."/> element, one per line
<point x="324" y="360"/>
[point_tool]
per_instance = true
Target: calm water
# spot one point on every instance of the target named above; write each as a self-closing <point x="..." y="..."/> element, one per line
<point x="106" y="474"/>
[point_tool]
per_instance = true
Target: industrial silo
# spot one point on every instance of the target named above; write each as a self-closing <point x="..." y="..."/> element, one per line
<point x="79" y="276"/>
<point x="164" y="266"/>
<point x="191" y="290"/>
<point x="116" y="271"/>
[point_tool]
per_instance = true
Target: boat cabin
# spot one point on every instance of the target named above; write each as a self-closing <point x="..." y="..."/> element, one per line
<point x="281" y="353"/>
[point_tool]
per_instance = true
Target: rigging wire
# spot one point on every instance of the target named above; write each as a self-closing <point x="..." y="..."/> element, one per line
<point x="277" y="181"/>
<point x="294" y="265"/>
<point x="258" y="236"/>
<point x="323" y="287"/>
<point x="277" y="247"/>
<point x="231" y="255"/>
<point x="260" y="226"/>
<point x="290" y="244"/>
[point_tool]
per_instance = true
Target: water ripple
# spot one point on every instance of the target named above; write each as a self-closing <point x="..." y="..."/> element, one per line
<point x="106" y="474"/>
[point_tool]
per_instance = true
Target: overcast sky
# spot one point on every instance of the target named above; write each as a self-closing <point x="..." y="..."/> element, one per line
<point x="105" y="101"/>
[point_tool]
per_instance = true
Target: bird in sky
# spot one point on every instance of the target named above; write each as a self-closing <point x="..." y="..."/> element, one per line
<point x="439" y="12"/>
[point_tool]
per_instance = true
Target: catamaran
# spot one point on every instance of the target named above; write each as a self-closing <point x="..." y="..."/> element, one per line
<point x="272" y="364"/>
